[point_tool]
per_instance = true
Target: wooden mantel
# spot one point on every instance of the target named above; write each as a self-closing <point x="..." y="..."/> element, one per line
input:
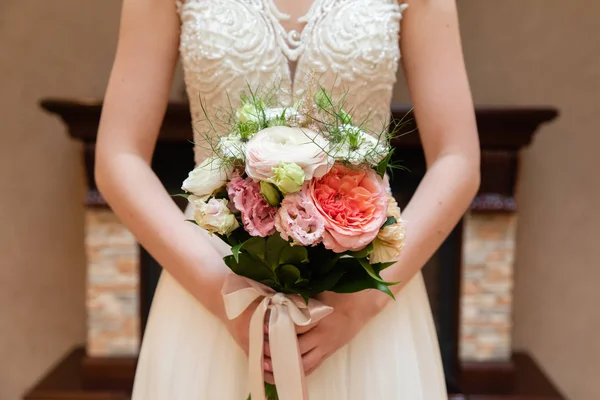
<point x="503" y="132"/>
<point x="500" y="128"/>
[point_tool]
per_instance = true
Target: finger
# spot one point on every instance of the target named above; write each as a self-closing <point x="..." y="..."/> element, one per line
<point x="267" y="349"/>
<point x="268" y="365"/>
<point x="308" y="341"/>
<point x="310" y="371"/>
<point x="303" y="329"/>
<point x="312" y="360"/>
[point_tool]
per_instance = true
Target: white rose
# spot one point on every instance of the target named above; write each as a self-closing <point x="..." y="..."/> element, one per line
<point x="232" y="146"/>
<point x="270" y="147"/>
<point x="214" y="216"/>
<point x="358" y="147"/>
<point x="276" y="113"/>
<point x="207" y="177"/>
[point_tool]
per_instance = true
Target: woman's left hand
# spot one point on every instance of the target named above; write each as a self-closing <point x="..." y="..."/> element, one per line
<point x="350" y="314"/>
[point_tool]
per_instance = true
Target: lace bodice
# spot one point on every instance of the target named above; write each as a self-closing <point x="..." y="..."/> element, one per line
<point x="349" y="46"/>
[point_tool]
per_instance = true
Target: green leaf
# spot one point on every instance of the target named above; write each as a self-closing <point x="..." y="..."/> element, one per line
<point x="275" y="245"/>
<point x="235" y="251"/>
<point x="305" y="295"/>
<point x="383" y="164"/>
<point x="271" y="392"/>
<point x="249" y="267"/>
<point x="381" y="266"/>
<point x="362" y="253"/>
<point x="288" y="274"/>
<point x="184" y="195"/>
<point x="293" y="255"/>
<point x="354" y="284"/>
<point x="302" y="282"/>
<point x="322" y="260"/>
<point x="326" y="283"/>
<point x="192" y="221"/>
<point x="369" y="269"/>
<point x="389" y="221"/>
<point x="385" y="289"/>
<point x="255" y="246"/>
<point x="238" y="236"/>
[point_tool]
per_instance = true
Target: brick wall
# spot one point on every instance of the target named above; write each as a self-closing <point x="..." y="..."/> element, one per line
<point x="112" y="302"/>
<point x="486" y="299"/>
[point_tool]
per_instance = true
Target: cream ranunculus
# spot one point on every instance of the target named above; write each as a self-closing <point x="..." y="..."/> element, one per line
<point x="389" y="242"/>
<point x="267" y="149"/>
<point x="207" y="177"/>
<point x="393" y="210"/>
<point x="214" y="216"/>
<point x="232" y="146"/>
<point x="358" y="147"/>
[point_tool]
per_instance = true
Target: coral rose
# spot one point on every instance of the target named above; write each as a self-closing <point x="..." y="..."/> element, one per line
<point x="353" y="203"/>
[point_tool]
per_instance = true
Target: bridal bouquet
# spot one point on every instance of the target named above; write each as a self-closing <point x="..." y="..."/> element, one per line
<point x="300" y="195"/>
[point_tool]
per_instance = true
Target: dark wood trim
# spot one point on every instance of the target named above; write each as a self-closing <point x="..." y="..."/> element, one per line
<point x="502" y="131"/>
<point x="65" y="382"/>
<point x="509" y="128"/>
<point x="521" y="378"/>
<point x="82" y="378"/>
<point x="113" y="374"/>
<point x="499" y="127"/>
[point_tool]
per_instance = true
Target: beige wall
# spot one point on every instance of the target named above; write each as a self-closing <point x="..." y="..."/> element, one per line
<point x="518" y="52"/>
<point x="58" y="48"/>
<point x="547" y="52"/>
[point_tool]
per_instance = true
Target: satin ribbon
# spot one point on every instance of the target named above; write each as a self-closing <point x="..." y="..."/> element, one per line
<point x="287" y="311"/>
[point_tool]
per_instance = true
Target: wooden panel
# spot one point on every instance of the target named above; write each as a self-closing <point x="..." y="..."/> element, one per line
<point x="65" y="382"/>
<point x="499" y="127"/>
<point x="112" y="379"/>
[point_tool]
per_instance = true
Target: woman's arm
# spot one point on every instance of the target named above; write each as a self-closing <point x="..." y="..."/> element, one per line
<point x="134" y="108"/>
<point x="440" y="93"/>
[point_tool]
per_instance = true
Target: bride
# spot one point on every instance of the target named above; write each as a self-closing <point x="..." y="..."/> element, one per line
<point x="370" y="348"/>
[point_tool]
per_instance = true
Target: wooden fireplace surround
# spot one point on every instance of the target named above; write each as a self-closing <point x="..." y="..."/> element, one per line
<point x="503" y="131"/>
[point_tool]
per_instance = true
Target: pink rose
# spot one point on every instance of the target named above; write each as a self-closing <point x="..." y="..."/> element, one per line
<point x="299" y="219"/>
<point x="258" y="216"/>
<point x="353" y="203"/>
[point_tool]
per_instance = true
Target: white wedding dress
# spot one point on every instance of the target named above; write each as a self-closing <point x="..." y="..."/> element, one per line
<point x="351" y="46"/>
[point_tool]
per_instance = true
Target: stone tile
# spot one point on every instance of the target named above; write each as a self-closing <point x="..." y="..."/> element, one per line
<point x="112" y="293"/>
<point x="486" y="292"/>
<point x="487" y="286"/>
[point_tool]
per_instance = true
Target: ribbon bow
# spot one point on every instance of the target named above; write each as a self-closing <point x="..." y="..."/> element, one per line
<point x="286" y="312"/>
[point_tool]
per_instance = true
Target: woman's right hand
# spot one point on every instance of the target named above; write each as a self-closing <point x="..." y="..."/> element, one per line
<point x="239" y="328"/>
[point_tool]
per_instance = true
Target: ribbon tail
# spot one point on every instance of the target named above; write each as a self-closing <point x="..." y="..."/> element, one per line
<point x="285" y="355"/>
<point x="256" y="376"/>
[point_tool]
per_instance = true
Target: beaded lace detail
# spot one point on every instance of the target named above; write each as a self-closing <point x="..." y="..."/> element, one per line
<point x="350" y="46"/>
